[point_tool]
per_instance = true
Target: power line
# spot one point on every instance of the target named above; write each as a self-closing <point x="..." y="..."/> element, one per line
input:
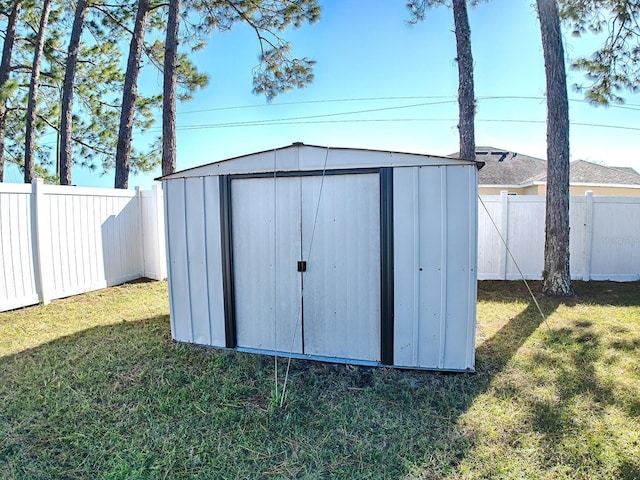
<point x="310" y="102"/>
<point x="629" y="106"/>
<point x="324" y="115"/>
<point x="260" y="123"/>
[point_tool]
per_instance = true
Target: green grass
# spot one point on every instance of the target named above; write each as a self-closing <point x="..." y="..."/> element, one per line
<point x="94" y="387"/>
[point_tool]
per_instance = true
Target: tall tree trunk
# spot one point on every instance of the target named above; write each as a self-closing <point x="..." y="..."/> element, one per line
<point x="29" y="160"/>
<point x="169" y="94"/>
<point x="466" y="100"/>
<point x="123" y="150"/>
<point x="556" y="275"/>
<point x="5" y="69"/>
<point x="67" y="93"/>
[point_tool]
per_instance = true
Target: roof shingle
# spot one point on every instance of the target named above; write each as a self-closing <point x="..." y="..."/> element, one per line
<point x="503" y="167"/>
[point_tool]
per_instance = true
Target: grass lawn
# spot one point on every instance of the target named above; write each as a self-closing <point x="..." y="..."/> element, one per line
<point x="93" y="387"/>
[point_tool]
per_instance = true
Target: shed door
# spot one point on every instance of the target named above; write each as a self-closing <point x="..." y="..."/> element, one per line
<point x="342" y="282"/>
<point x="266" y="233"/>
<point x="333" y="224"/>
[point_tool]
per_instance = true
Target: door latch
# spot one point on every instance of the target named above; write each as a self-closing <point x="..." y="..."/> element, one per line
<point x="302" y="266"/>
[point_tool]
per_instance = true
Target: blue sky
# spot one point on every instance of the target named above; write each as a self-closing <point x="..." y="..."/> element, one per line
<point x="403" y="81"/>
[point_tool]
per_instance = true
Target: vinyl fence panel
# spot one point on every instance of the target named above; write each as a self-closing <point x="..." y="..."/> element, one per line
<point x="604" y="237"/>
<point x="615" y="250"/>
<point x="17" y="276"/>
<point x="59" y="241"/>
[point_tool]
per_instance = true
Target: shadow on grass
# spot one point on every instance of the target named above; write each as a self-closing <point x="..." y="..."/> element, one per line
<point x="623" y="294"/>
<point x="574" y="401"/>
<point x="125" y="401"/>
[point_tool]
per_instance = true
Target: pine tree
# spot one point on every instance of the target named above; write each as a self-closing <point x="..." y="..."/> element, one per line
<point x="277" y="71"/>
<point x="5" y="69"/>
<point x="169" y="96"/>
<point x="556" y="275"/>
<point x="67" y="93"/>
<point x="466" y="99"/>
<point x="466" y="95"/>
<point x="29" y="157"/>
<point x="130" y="93"/>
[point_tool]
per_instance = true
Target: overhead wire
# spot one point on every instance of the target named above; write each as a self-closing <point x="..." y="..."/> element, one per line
<point x="308" y="257"/>
<point x="626" y="106"/>
<point x="436" y="100"/>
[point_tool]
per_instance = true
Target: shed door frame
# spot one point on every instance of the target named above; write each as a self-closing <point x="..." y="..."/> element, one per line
<point x="386" y="250"/>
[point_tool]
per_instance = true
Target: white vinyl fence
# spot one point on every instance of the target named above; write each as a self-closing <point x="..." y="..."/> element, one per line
<point x="604" y="239"/>
<point x="60" y="241"/>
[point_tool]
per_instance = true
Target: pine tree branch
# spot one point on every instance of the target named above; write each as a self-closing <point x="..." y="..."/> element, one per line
<point x="75" y="139"/>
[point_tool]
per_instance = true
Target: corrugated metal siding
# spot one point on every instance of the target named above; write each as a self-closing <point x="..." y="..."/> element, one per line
<point x="266" y="230"/>
<point x="194" y="254"/>
<point x="435" y="262"/>
<point x="460" y="267"/>
<point x="342" y="283"/>
<point x="17" y="279"/>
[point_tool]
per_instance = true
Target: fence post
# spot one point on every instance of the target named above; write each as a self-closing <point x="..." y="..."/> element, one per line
<point x="154" y="248"/>
<point x="41" y="231"/>
<point x="141" y="236"/>
<point x="504" y="231"/>
<point x="158" y="212"/>
<point x="588" y="236"/>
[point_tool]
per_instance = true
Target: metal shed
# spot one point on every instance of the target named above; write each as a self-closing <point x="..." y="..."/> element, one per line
<point x="336" y="254"/>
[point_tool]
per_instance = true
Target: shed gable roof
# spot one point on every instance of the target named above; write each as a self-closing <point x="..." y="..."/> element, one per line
<point x="301" y="157"/>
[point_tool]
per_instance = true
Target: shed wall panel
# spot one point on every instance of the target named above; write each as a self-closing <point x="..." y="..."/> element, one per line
<point x="214" y="261"/>
<point x="176" y="228"/>
<point x="432" y="264"/>
<point x="197" y="260"/>
<point x="434" y="275"/>
<point x="406" y="240"/>
<point x="460" y="267"/>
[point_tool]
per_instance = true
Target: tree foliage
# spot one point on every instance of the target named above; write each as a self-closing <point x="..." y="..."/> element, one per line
<point x="277" y="71"/>
<point x="67" y="77"/>
<point x="615" y="66"/>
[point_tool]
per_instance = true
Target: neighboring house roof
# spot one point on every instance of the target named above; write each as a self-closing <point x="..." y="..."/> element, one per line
<point x="582" y="171"/>
<point x="503" y="167"/>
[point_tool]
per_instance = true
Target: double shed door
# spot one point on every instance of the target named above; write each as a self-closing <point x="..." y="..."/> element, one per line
<point x="332" y="223"/>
